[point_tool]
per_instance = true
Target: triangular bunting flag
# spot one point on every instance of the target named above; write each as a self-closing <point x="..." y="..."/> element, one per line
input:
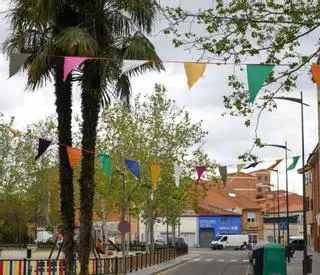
<point x="72" y="63"/>
<point x="15" y="132"/>
<point x="257" y="75"/>
<point x="42" y="147"/>
<point x="200" y="170"/>
<point x="315" y="69"/>
<point x="74" y="155"/>
<point x="194" y="71"/>
<point x="294" y="163"/>
<point x="16" y="62"/>
<point x="274" y="165"/>
<point x="239" y="168"/>
<point x="133" y="166"/>
<point x="223" y="173"/>
<point x="252" y="165"/>
<point x="177" y="173"/>
<point x="129" y="65"/>
<point x="155" y="173"/>
<point x="106" y="164"/>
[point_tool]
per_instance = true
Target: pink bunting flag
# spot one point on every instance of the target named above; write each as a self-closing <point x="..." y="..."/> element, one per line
<point x="200" y="170"/>
<point x="71" y="63"/>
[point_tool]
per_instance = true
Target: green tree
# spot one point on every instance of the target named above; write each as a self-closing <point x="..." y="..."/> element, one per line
<point x="247" y="31"/>
<point x="153" y="130"/>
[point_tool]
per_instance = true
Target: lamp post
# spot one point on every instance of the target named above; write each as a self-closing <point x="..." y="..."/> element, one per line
<point x="305" y="236"/>
<point x="286" y="149"/>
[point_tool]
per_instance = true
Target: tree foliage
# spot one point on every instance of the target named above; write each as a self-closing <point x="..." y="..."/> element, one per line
<point x="274" y="32"/>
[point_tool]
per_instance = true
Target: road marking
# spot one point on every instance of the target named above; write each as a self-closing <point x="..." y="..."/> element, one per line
<point x="233" y="261"/>
<point x="196" y="260"/>
<point x="245" y="261"/>
<point x="208" y="260"/>
<point x="221" y="260"/>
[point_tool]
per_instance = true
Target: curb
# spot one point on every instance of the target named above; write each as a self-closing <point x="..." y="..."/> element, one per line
<point x="174" y="266"/>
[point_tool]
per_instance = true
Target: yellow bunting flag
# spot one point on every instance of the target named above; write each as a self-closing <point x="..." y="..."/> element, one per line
<point x="194" y="71"/>
<point x="74" y="155"/>
<point x="155" y="173"/>
<point x="316" y="73"/>
<point x="15" y="132"/>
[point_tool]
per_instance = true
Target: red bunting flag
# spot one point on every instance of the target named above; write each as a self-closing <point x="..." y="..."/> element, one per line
<point x="200" y="170"/>
<point x="71" y="63"/>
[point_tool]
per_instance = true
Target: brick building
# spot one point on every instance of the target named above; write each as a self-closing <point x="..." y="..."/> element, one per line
<point x="229" y="199"/>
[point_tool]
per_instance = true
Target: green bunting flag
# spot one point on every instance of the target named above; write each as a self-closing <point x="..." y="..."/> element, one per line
<point x="294" y="163"/>
<point x="106" y="164"/>
<point x="257" y="75"/>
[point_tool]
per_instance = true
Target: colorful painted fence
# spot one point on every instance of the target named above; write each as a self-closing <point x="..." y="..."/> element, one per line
<point x="96" y="266"/>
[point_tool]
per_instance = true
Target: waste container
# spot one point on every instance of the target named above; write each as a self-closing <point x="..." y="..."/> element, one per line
<point x="28" y="253"/>
<point x="274" y="259"/>
<point x="309" y="263"/>
<point x="257" y="260"/>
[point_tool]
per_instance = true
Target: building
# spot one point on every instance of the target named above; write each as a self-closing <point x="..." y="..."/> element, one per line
<point x="229" y="199"/>
<point x="244" y="184"/>
<point x="313" y="198"/>
<point x="200" y="227"/>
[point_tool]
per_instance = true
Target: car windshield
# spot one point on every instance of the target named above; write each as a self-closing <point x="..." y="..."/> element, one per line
<point x="217" y="238"/>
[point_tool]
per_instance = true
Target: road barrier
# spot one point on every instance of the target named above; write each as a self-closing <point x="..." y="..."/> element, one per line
<point x="96" y="266"/>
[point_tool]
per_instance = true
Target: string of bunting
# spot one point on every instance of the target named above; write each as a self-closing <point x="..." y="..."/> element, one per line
<point x="75" y="155"/>
<point x="257" y="74"/>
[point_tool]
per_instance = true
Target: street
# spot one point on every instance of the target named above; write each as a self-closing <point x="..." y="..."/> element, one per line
<point x="217" y="262"/>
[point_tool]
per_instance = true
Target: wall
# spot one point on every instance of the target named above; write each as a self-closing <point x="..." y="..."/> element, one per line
<point x="244" y="185"/>
<point x="253" y="228"/>
<point x="221" y="224"/>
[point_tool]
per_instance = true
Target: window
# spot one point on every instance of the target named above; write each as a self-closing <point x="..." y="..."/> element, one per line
<point x="266" y="178"/>
<point x="232" y="195"/>
<point x="224" y="239"/>
<point x="251" y="216"/>
<point x="259" y="189"/>
<point x="253" y="238"/>
<point x="311" y="204"/>
<point x="259" y="178"/>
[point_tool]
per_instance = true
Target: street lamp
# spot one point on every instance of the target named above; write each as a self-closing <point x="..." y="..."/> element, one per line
<point x="305" y="237"/>
<point x="286" y="149"/>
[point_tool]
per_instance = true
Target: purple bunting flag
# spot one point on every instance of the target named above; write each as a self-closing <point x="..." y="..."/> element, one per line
<point x="42" y="147"/>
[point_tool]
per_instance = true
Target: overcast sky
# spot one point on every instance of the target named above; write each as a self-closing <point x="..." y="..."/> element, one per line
<point x="228" y="137"/>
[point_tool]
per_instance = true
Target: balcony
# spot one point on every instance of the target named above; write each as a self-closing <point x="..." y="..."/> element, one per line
<point x="252" y="226"/>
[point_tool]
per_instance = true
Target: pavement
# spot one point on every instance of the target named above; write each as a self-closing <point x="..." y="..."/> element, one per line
<point x="295" y="265"/>
<point x="204" y="261"/>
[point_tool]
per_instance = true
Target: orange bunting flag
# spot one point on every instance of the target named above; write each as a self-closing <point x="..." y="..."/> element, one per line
<point x="316" y="73"/>
<point x="74" y="155"/>
<point x="271" y="168"/>
<point x="194" y="71"/>
<point x="155" y="173"/>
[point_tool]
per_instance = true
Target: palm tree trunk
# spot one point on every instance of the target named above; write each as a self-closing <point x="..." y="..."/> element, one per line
<point x="90" y="113"/>
<point x="63" y="90"/>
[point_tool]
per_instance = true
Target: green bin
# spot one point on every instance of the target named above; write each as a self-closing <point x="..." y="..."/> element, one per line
<point x="274" y="260"/>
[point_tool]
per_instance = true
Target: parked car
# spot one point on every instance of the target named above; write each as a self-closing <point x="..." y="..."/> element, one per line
<point x="160" y="243"/>
<point x="296" y="243"/>
<point x="179" y="242"/>
<point x="229" y="241"/>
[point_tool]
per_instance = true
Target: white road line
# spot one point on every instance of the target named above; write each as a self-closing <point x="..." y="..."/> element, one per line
<point x="245" y="261"/>
<point x="208" y="260"/>
<point x="196" y="260"/>
<point x="233" y="261"/>
<point x="221" y="260"/>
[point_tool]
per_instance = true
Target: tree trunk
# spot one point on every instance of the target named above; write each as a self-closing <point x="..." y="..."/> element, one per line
<point x="63" y="90"/>
<point x="90" y="113"/>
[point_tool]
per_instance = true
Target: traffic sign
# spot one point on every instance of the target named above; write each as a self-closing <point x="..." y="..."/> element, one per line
<point x="124" y="227"/>
<point x="283" y="225"/>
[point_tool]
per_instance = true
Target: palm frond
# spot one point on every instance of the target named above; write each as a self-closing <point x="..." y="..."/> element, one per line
<point x="76" y="41"/>
<point x="123" y="89"/>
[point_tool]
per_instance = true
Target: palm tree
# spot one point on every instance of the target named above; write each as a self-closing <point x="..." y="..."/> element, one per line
<point x="38" y="28"/>
<point x="113" y="25"/>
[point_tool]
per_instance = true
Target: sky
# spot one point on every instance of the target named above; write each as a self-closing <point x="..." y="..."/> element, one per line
<point x="227" y="138"/>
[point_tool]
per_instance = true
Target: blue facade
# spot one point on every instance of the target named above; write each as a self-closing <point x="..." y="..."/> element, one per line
<point x="220" y="224"/>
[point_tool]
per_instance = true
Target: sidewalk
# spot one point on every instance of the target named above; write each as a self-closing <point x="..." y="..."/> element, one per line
<point x="295" y="266"/>
<point x="166" y="265"/>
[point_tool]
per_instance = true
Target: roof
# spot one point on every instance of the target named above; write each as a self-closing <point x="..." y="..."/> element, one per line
<point x="209" y="210"/>
<point x="227" y="198"/>
<point x="240" y="175"/>
<point x="261" y="171"/>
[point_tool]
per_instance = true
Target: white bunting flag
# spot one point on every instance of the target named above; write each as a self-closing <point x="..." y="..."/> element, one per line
<point x="177" y="173"/>
<point x="129" y="65"/>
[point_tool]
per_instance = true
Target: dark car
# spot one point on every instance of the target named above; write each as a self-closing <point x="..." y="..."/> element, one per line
<point x="296" y="244"/>
<point x="179" y="242"/>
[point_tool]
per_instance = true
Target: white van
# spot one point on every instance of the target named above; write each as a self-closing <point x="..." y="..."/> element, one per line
<point x="229" y="241"/>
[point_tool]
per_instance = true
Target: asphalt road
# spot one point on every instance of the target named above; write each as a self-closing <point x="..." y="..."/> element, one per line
<point x="217" y="262"/>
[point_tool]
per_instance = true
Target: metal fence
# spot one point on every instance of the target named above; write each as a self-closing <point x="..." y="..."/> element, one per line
<point x="96" y="266"/>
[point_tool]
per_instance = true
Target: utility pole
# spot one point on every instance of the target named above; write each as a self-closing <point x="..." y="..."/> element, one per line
<point x="274" y="215"/>
<point x="278" y="194"/>
<point x="123" y="217"/>
<point x="287" y="196"/>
